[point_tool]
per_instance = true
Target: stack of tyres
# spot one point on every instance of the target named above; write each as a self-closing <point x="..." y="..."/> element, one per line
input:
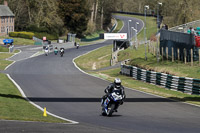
<point x="158" y="78"/>
<point x="148" y="76"/>
<point x="196" y="86"/>
<point x="139" y="74"/>
<point x="181" y="84"/>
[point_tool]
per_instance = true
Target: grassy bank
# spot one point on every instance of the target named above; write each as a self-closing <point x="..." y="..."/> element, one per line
<point x="95" y="60"/>
<point x="13" y="106"/>
<point x="4" y="63"/>
<point x="20" y="41"/>
<point x="128" y="81"/>
<point x="119" y="26"/>
<point x="3" y="49"/>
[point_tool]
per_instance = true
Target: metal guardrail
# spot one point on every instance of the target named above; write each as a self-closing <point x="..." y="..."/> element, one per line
<point x="184" y="27"/>
<point x="183" y="84"/>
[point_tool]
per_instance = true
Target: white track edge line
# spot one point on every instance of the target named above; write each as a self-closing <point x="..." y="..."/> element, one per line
<point x="37" y="106"/>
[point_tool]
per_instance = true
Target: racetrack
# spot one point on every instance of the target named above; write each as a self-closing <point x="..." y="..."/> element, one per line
<point x="55" y="83"/>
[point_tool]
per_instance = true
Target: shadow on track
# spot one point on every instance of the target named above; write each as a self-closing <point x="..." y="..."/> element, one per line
<point x="11" y="96"/>
<point x="34" y="99"/>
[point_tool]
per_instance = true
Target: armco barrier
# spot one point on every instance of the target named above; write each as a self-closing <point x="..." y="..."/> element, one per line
<point x="183" y="84"/>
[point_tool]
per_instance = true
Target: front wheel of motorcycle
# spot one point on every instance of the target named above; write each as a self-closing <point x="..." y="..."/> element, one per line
<point x="103" y="113"/>
<point x="110" y="110"/>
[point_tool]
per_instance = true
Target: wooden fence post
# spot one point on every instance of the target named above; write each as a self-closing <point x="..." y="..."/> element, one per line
<point x="172" y="54"/>
<point x="191" y="57"/>
<point x="185" y="56"/>
<point x="162" y="54"/>
<point x="178" y="52"/>
<point x="167" y="52"/>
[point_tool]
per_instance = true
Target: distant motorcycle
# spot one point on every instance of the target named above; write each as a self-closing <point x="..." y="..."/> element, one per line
<point x="77" y="45"/>
<point x="61" y="52"/>
<point x="46" y="51"/>
<point x="112" y="102"/>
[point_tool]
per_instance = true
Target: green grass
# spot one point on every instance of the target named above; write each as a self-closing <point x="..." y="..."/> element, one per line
<point x="13" y="106"/>
<point x="174" y="68"/>
<point x="96" y="59"/>
<point x="20" y="41"/>
<point x="119" y="26"/>
<point x="4" y="63"/>
<point x="86" y="62"/>
<point x="146" y="87"/>
<point x="94" y="35"/>
<point x="3" y="49"/>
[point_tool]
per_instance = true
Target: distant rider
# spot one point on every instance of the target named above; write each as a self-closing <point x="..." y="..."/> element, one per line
<point x="46" y="50"/>
<point x="56" y="51"/>
<point x="77" y="45"/>
<point x="62" y="51"/>
<point x="111" y="87"/>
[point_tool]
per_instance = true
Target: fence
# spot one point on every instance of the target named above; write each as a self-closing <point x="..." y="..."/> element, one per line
<point x="183" y="84"/>
<point x="184" y="27"/>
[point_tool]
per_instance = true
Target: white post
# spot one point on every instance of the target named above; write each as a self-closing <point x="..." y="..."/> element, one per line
<point x="145" y="8"/>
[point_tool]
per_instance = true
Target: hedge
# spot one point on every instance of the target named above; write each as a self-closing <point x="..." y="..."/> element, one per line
<point x="26" y="35"/>
<point x="29" y="35"/>
<point x="48" y="36"/>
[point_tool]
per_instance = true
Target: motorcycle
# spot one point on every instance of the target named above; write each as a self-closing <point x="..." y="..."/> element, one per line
<point x="61" y="52"/>
<point x="112" y="102"/>
<point x="46" y="51"/>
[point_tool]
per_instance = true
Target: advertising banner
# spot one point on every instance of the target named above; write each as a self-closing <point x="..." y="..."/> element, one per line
<point x="115" y="36"/>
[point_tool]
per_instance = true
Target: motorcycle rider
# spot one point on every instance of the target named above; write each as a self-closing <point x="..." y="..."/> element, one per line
<point x="62" y="51"/>
<point x="56" y="51"/>
<point x="46" y="50"/>
<point x="111" y="87"/>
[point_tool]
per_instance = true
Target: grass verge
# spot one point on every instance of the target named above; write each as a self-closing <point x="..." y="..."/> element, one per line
<point x="119" y="26"/>
<point x="86" y="62"/>
<point x="20" y="41"/>
<point x="96" y="59"/>
<point x="146" y="87"/>
<point x="13" y="106"/>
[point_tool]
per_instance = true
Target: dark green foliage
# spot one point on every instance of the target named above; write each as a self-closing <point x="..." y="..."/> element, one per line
<point x="34" y="28"/>
<point x="75" y="15"/>
<point x="48" y="36"/>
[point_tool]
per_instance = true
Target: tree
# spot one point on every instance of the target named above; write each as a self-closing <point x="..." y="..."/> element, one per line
<point x="75" y="14"/>
<point x="41" y="13"/>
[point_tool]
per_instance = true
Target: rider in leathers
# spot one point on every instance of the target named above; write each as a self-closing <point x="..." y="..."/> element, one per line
<point x="115" y="85"/>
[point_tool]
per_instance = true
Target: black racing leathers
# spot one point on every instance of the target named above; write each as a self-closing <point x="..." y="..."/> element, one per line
<point x="110" y="89"/>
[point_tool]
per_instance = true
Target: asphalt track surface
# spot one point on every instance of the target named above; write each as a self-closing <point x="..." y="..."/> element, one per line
<point x="55" y="83"/>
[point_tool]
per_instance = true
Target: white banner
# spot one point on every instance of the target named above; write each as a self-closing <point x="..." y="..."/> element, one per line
<point x="112" y="36"/>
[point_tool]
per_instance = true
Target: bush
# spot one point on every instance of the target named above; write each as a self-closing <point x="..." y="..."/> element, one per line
<point x="34" y="28"/>
<point x="48" y="36"/>
<point x="26" y="35"/>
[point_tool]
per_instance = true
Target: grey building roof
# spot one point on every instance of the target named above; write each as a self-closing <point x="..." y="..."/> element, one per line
<point x="5" y="11"/>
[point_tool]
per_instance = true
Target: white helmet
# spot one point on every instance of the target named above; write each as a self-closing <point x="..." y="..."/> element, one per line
<point x="117" y="83"/>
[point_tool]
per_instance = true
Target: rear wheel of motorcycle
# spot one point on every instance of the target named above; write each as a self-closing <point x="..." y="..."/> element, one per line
<point x="111" y="110"/>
